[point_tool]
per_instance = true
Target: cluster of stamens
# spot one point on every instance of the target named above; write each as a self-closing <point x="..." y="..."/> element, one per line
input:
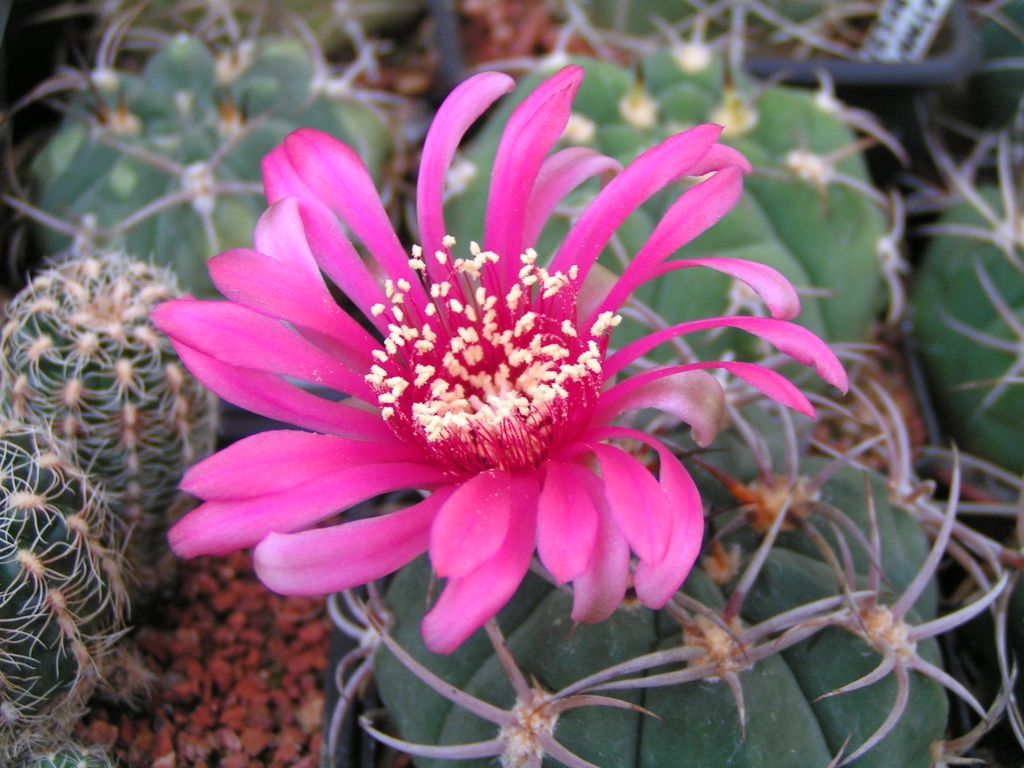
<point x="486" y="375"/>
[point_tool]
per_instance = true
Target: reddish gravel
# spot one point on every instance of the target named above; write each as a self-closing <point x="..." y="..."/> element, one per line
<point x="239" y="677"/>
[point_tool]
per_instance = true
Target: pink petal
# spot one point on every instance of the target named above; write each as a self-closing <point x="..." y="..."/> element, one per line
<point x="326" y="238"/>
<point x="468" y="602"/>
<point x="473" y="523"/>
<point x="599" y="590"/>
<point x="326" y="560"/>
<point x="656" y="581"/>
<point x="567" y="520"/>
<point x="765" y="380"/>
<point x="456" y="114"/>
<point x="771" y="285"/>
<point x="275" y="461"/>
<point x="338" y="177"/>
<point x="279" y="234"/>
<point x="339" y="260"/>
<point x="789" y="338"/>
<point x="560" y="175"/>
<point x="692" y="396"/>
<point x="240" y="337"/>
<point x="638" y="505"/>
<point x="719" y="156"/>
<point x="219" y="527"/>
<point x="264" y="285"/>
<point x="280" y="179"/>
<point x="645" y="176"/>
<point x="282" y="234"/>
<point x="531" y="132"/>
<point x="697" y="209"/>
<point x="270" y="396"/>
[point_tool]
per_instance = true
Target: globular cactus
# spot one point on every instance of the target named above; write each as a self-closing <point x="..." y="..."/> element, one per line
<point x="70" y="756"/>
<point x="808" y="209"/>
<point x="165" y="162"/>
<point x="62" y="590"/>
<point x="968" y="306"/>
<point x="806" y="637"/>
<point x="81" y="357"/>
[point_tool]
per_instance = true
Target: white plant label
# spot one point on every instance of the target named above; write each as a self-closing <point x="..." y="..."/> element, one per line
<point x="905" y="29"/>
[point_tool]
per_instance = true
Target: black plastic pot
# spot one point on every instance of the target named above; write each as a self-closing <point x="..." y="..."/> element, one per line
<point x="897" y="93"/>
<point x="957" y="57"/>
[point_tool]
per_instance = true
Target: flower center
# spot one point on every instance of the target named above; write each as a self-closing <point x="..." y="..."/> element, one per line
<point x="491" y="372"/>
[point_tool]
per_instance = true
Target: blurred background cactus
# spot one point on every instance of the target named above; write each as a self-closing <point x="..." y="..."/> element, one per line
<point x="159" y="151"/>
<point x="62" y="597"/>
<point x="81" y="358"/>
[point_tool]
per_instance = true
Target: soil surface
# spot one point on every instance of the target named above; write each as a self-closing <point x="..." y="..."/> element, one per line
<point x="238" y="677"/>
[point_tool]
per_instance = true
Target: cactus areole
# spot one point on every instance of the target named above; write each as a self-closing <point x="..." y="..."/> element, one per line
<point x="488" y="383"/>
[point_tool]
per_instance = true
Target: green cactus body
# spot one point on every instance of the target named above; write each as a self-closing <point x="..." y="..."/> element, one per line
<point x="62" y="594"/>
<point x="792" y="215"/>
<point x="81" y="357"/>
<point x="976" y="384"/>
<point x="70" y="756"/>
<point x="787" y="724"/>
<point x="168" y="166"/>
<point x="999" y="84"/>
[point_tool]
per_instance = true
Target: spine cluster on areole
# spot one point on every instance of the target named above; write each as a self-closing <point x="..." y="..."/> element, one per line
<point x="484" y="376"/>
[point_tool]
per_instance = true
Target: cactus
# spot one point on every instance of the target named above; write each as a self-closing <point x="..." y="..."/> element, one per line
<point x="790" y="658"/>
<point x="80" y="356"/>
<point x="62" y="593"/>
<point x="968" y="308"/>
<point x="808" y="209"/>
<point x="165" y="163"/>
<point x="796" y="29"/>
<point x="70" y="756"/>
<point x="1000" y="80"/>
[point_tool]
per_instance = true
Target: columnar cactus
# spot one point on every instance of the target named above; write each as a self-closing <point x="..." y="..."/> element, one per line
<point x="808" y="199"/>
<point x="70" y="756"/>
<point x="165" y="162"/>
<point x="62" y="590"/>
<point x="81" y="357"/>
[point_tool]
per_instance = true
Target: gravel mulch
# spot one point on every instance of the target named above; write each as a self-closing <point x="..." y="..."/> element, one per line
<point x="239" y="677"/>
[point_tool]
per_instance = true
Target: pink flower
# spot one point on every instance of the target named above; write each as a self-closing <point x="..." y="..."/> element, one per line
<point x="493" y="388"/>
